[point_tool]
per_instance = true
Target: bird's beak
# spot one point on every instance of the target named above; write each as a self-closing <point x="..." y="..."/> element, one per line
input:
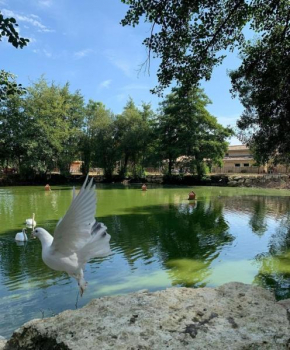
<point x="33" y="234"/>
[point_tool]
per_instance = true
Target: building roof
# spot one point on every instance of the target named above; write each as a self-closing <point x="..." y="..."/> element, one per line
<point x="239" y="158"/>
<point x="238" y="147"/>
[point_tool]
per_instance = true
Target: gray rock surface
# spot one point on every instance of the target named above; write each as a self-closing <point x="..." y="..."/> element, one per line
<point x="2" y="343"/>
<point x="285" y="303"/>
<point x="233" y="316"/>
<point x="233" y="183"/>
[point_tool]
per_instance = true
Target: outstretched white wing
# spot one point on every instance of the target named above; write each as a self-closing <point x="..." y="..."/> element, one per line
<point x="74" y="230"/>
<point x="74" y="196"/>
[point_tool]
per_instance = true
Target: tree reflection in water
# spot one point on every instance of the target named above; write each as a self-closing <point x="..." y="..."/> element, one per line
<point x="274" y="270"/>
<point x="184" y="239"/>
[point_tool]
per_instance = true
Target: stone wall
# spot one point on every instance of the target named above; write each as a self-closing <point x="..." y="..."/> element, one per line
<point x="265" y="181"/>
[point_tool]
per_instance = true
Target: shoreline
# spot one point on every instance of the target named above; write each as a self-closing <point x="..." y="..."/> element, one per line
<point x="275" y="181"/>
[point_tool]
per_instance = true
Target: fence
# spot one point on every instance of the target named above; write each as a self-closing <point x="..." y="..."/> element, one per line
<point x="279" y="169"/>
<point x="243" y="170"/>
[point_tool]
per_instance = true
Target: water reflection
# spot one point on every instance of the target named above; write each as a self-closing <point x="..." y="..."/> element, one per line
<point x="274" y="272"/>
<point x="171" y="232"/>
<point x="188" y="272"/>
<point x="159" y="239"/>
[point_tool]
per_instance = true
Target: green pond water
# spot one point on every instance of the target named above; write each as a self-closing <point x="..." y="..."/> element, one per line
<point x="159" y="239"/>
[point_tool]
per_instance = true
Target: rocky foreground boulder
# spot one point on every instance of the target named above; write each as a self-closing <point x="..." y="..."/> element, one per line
<point x="233" y="316"/>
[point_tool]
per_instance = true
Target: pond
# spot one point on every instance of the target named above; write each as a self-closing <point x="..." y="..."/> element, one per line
<point x="159" y="239"/>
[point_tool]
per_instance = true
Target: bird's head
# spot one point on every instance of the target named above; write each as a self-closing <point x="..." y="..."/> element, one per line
<point x="38" y="232"/>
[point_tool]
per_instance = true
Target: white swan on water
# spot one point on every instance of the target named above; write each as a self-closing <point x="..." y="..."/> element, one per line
<point x="21" y="236"/>
<point x="77" y="238"/>
<point x="31" y="222"/>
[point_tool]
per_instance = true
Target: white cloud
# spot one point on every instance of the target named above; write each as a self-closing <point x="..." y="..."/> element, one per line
<point x="32" y="41"/>
<point x="135" y="87"/>
<point x="47" y="53"/>
<point x="34" y="16"/>
<point x="120" y="62"/>
<point x="83" y="53"/>
<point x="44" y="52"/>
<point x="105" y="84"/>
<point x="121" y="97"/>
<point x="45" y="3"/>
<point x="31" y="19"/>
<point x="229" y="120"/>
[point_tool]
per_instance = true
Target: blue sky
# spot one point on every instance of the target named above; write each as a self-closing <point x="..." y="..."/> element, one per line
<point x="83" y="43"/>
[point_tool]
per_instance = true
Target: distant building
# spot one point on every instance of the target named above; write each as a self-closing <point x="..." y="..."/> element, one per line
<point x="75" y="167"/>
<point x="239" y="159"/>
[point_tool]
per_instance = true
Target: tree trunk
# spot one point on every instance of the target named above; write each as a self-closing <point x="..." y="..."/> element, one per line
<point x="124" y="166"/>
<point x="170" y="165"/>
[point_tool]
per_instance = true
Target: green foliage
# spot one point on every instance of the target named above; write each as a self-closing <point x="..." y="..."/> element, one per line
<point x="8" y="29"/>
<point x="57" y="119"/>
<point x="98" y="139"/>
<point x="132" y="135"/>
<point x="191" y="37"/>
<point x="263" y="86"/>
<point x="41" y="131"/>
<point x="8" y="86"/>
<point x="186" y="129"/>
<point x="14" y="131"/>
<point x="50" y="127"/>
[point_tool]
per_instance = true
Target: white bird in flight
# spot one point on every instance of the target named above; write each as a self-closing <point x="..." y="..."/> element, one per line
<point x="78" y="237"/>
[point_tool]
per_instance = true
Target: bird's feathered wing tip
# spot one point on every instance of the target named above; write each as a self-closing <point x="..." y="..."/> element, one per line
<point x="74" y="230"/>
<point x="86" y="180"/>
<point x="97" y="246"/>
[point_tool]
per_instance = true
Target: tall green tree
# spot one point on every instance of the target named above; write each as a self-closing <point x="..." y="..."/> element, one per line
<point x="148" y="141"/>
<point x="97" y="127"/>
<point x="262" y="83"/>
<point x="89" y="133"/>
<point x="54" y="118"/>
<point x="186" y="128"/>
<point x="132" y="135"/>
<point x="14" y="131"/>
<point x="72" y="117"/>
<point x="106" y="152"/>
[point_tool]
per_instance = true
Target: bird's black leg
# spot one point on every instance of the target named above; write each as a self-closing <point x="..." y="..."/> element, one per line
<point x="77" y="300"/>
